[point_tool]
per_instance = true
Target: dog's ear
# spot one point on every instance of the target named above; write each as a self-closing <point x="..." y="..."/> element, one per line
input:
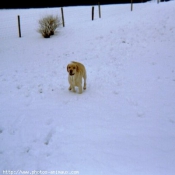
<point x="67" y="67"/>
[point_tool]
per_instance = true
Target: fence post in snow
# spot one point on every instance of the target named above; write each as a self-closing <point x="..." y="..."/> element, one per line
<point x="99" y="9"/>
<point x="92" y="13"/>
<point x="62" y="14"/>
<point x="19" y="27"/>
<point x="131" y="5"/>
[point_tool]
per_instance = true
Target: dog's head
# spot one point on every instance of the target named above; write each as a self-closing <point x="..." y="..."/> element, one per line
<point x="72" y="68"/>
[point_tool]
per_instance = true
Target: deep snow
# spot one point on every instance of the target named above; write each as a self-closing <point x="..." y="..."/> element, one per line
<point x="123" y="124"/>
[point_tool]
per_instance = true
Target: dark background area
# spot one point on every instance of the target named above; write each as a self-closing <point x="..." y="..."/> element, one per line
<point x="58" y="3"/>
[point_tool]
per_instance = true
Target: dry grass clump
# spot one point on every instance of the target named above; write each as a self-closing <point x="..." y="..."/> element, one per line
<point x="48" y="25"/>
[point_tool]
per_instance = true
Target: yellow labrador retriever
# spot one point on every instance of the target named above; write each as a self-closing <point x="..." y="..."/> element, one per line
<point x="76" y="71"/>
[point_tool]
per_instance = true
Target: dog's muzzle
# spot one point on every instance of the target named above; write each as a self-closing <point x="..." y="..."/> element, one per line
<point x="71" y="73"/>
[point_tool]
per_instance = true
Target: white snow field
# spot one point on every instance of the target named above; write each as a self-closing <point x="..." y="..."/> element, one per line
<point x="122" y="124"/>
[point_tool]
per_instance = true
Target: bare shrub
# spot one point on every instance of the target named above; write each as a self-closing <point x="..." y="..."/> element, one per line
<point x="48" y="25"/>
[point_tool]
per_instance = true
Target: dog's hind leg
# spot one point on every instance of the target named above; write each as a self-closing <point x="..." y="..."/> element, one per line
<point x="84" y="87"/>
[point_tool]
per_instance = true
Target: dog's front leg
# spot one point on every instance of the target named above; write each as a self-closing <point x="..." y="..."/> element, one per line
<point x="72" y="85"/>
<point x="80" y="89"/>
<point x="72" y="88"/>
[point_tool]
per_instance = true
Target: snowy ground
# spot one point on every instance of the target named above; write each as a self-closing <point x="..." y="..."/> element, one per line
<point x="123" y="124"/>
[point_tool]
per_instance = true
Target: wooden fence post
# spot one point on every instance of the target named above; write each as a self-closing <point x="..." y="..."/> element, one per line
<point x="131" y="5"/>
<point x="99" y="9"/>
<point x="92" y="13"/>
<point x="19" y="27"/>
<point x="62" y="14"/>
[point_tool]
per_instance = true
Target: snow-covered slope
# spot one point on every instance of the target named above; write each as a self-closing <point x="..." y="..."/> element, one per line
<point x="123" y="124"/>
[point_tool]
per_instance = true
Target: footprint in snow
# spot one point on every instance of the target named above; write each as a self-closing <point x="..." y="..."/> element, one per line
<point x="49" y="121"/>
<point x="48" y="137"/>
